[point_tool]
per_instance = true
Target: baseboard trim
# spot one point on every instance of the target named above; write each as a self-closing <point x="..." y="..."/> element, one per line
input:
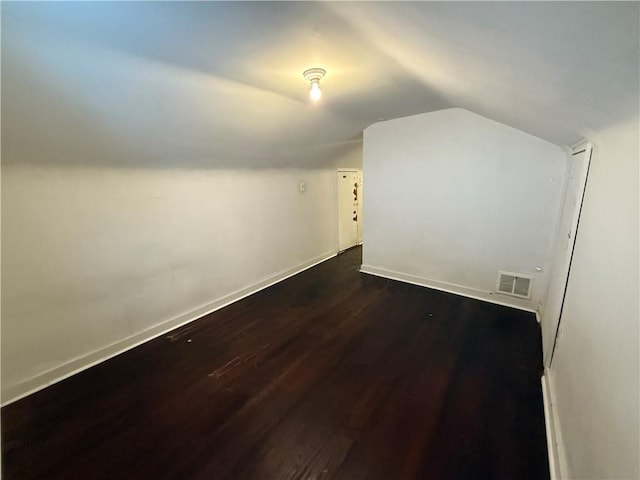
<point x="448" y="287"/>
<point x="42" y="380"/>
<point x="549" y="428"/>
<point x="558" y="451"/>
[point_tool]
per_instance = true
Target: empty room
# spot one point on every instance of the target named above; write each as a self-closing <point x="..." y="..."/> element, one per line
<point x="320" y="240"/>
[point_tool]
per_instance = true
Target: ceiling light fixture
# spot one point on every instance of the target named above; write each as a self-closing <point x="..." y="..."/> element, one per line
<point x="314" y="75"/>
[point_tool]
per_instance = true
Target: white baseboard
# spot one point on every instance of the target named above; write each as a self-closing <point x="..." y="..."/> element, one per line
<point x="469" y="292"/>
<point x="11" y="393"/>
<point x="554" y="430"/>
<point x="549" y="423"/>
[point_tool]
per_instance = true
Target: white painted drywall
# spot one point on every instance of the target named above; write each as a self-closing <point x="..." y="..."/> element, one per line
<point x="452" y="197"/>
<point x="93" y="256"/>
<point x="577" y="170"/>
<point x="351" y="157"/>
<point x="595" y="375"/>
<point x="125" y="205"/>
<point x="205" y="74"/>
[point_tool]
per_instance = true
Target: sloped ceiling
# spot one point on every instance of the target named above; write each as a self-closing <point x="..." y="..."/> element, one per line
<point x="220" y="83"/>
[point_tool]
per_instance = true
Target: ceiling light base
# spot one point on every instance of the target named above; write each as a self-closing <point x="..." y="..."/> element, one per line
<point x="314" y="74"/>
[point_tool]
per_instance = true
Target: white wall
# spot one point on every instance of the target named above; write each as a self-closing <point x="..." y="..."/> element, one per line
<point x="452" y="197"/>
<point x="577" y="171"/>
<point x="136" y="192"/>
<point x="594" y="376"/>
<point x="96" y="259"/>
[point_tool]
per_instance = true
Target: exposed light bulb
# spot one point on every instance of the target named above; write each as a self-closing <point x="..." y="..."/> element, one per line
<point x="314" y="75"/>
<point x="315" y="93"/>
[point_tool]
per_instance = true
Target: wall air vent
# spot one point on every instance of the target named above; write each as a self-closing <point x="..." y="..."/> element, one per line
<point x="514" y="284"/>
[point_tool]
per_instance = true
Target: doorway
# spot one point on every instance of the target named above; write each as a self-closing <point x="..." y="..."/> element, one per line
<point x="349" y="193"/>
<point x="578" y="171"/>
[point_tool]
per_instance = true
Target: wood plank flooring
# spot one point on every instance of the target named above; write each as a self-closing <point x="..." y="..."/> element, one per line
<point x="331" y="374"/>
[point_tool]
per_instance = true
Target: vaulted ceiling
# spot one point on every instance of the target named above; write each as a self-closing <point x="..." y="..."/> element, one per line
<point x="220" y="83"/>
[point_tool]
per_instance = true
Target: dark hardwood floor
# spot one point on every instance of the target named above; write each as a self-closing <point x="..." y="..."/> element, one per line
<point x="329" y="374"/>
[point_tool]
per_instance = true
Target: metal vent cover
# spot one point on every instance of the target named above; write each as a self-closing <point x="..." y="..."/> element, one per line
<point x="514" y="284"/>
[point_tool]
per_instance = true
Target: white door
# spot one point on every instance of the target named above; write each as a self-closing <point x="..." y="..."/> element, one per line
<point x="567" y="230"/>
<point x="348" y="188"/>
